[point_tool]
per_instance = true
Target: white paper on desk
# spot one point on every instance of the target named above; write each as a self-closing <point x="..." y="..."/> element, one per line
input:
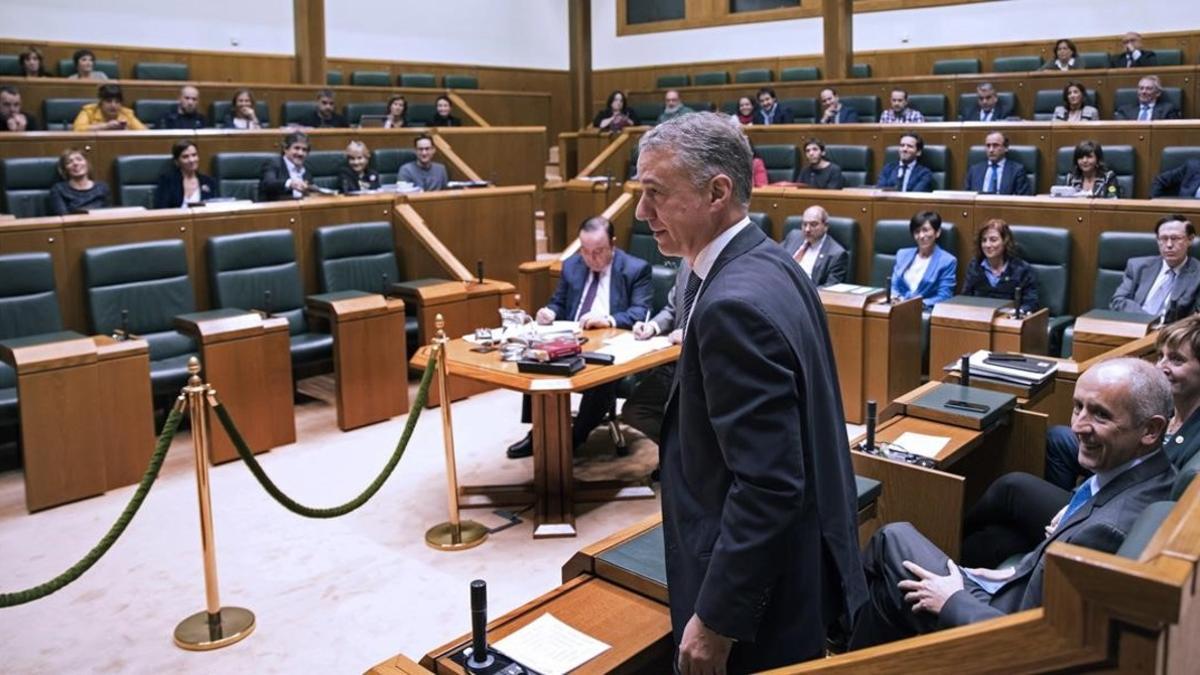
<point x="626" y="347"/>
<point x="921" y="444"/>
<point x="550" y="646"/>
<point x="840" y="288"/>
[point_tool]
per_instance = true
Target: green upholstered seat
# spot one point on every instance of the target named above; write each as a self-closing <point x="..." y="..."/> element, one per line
<point x="294" y="111"/>
<point x="855" y="161"/>
<point x="219" y="108"/>
<point x="1048" y="252"/>
<point x="1128" y="96"/>
<point x="333" y="78"/>
<point x="237" y="173"/>
<point x="387" y="161"/>
<point x="59" y="113"/>
<point x="710" y="78"/>
<point x="1016" y="64"/>
<point x="753" y="76"/>
<point x="426" y="80"/>
<point x="26" y="183"/>
<point x="1143" y="529"/>
<point x="135" y="177"/>
<point x="763" y="222"/>
<point x="66" y="68"/>
<point x="419" y="113"/>
<point x="957" y="66"/>
<point x="1046" y="100"/>
<point x="326" y="166"/>
<point x="860" y="71"/>
<point x="699" y="106"/>
<point x="151" y="70"/>
<point x="149" y="280"/>
<point x="641" y="245"/>
<point x="151" y="110"/>
<point x="804" y="108"/>
<point x="663" y="279"/>
<point x="1093" y="59"/>
<point x="647" y="111"/>
<point x="1173" y="156"/>
<point x="1120" y="158"/>
<point x="1169" y="57"/>
<point x="931" y="106"/>
<point x="1029" y="157"/>
<point x="371" y="78"/>
<point x="355" y="111"/>
<point x="935" y="157"/>
<point x="460" y="82"/>
<point x="868" y="490"/>
<point x="800" y="74"/>
<point x="780" y="161"/>
<point x="843" y="230"/>
<point x="28" y="306"/>
<point x="968" y="99"/>
<point x="10" y="65"/>
<point x="866" y="106"/>
<point x="675" y="80"/>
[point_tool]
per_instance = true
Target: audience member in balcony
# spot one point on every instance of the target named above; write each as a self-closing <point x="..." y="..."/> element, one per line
<point x="673" y="106"/>
<point x="186" y="115"/>
<point x="819" y="172"/>
<point x="907" y="174"/>
<point x="1132" y="55"/>
<point x="1182" y="181"/>
<point x="424" y="172"/>
<point x="996" y="271"/>
<point x="997" y="175"/>
<point x="820" y="256"/>
<point x="33" y="64"/>
<point x="77" y="192"/>
<point x="616" y="114"/>
<point x="988" y="106"/>
<point x="925" y="270"/>
<point x="745" y="111"/>
<point x="769" y="109"/>
<point x="85" y="66"/>
<point x="832" y="110"/>
<point x="900" y="112"/>
<point x="1151" y="105"/>
<point x="1088" y="174"/>
<point x="183" y="183"/>
<point x="325" y="115"/>
<point x="357" y="175"/>
<point x="441" y="115"/>
<point x="286" y="177"/>
<point x="1075" y="107"/>
<point x="397" y="113"/>
<point x="12" y="118"/>
<point x="241" y="114"/>
<point x="108" y="113"/>
<point x="1065" y="57"/>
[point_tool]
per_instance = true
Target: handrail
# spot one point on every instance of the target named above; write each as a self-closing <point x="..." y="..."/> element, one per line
<point x="434" y="246"/>
<point x="611" y="149"/>
<point x="467" y="109"/>
<point x="446" y="149"/>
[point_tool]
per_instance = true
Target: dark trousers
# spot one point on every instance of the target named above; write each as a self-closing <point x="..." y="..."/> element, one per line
<point x="1062" y="457"/>
<point x="596" y="403"/>
<point x="1010" y="519"/>
<point x="647" y="402"/>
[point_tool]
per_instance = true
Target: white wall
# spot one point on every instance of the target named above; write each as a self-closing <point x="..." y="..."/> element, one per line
<point x="1004" y="21"/>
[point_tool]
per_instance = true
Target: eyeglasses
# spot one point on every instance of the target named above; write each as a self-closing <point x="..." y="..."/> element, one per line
<point x="1171" y="239"/>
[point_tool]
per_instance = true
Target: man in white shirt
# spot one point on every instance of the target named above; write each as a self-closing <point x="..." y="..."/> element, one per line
<point x="819" y="255"/>
<point x="1163" y="283"/>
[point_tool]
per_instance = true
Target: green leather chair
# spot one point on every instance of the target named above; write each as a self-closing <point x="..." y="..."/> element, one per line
<point x="855" y="161"/>
<point x="867" y="107"/>
<point x="294" y="111"/>
<point x="647" y="113"/>
<point x="136" y="176"/>
<point x="244" y="268"/>
<point x="151" y="110"/>
<point x="1128" y="95"/>
<point x="218" y="109"/>
<point x="28" y="307"/>
<point x="66" y="68"/>
<point x="237" y="173"/>
<point x="753" y="76"/>
<point x="1169" y="57"/>
<point x="10" y="65"/>
<point x="1120" y="158"/>
<point x="1046" y="100"/>
<point x="371" y="78"/>
<point x="149" y="280"/>
<point x="419" y="114"/>
<point x="425" y="80"/>
<point x="1090" y="60"/>
<point x="59" y="113"/>
<point x="968" y="99"/>
<point x="671" y="81"/>
<point x="935" y="157"/>
<point x="355" y="111"/>
<point x="860" y="71"/>
<point x="763" y="222"/>
<point x="1174" y="155"/>
<point x="460" y="82"/>
<point x="957" y="67"/>
<point x="1144" y="527"/>
<point x="333" y="78"/>
<point x="387" y="161"/>
<point x="843" y="230"/>
<point x="710" y="78"/>
<point x="1048" y="252"/>
<point x="326" y="165"/>
<point x="699" y="106"/>
<point x="26" y="182"/>
<point x="931" y="106"/>
<point x="160" y="71"/>
<point x="1016" y="64"/>
<point x="642" y="245"/>
<point x="804" y="109"/>
<point x="1028" y="155"/>
<point x="780" y="161"/>
<point x="800" y="74"/>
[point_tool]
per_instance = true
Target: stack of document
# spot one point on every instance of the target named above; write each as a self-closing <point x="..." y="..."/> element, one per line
<point x="1020" y="369"/>
<point x="625" y="347"/>
<point x="853" y="289"/>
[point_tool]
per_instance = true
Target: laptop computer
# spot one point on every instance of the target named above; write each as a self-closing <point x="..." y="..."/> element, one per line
<point x="372" y="121"/>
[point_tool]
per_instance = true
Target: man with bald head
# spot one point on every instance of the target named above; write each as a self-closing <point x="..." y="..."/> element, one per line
<point x="1132" y="55"/>
<point x="185" y="115"/>
<point x="820" y="256"/>
<point x="1121" y="408"/>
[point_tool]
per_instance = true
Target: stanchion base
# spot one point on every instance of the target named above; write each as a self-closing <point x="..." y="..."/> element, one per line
<point x="196" y="634"/>
<point x="470" y="535"/>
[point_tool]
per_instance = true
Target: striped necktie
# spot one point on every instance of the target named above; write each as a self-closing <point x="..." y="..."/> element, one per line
<point x="689" y="297"/>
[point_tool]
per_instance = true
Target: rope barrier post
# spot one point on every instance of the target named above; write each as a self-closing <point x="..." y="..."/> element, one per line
<point x="453" y="535"/>
<point x="216" y="626"/>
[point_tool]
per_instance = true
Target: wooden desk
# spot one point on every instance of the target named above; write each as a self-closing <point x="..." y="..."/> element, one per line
<point x="554" y="489"/>
<point x="247" y="359"/>
<point x="126" y="437"/>
<point x="1101" y="330"/>
<point x="965" y="324"/>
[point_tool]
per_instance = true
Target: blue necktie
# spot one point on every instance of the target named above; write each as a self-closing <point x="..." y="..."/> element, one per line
<point x="901" y="177"/>
<point x="1145" y="115"/>
<point x="992" y="178"/>
<point x="1154" y="304"/>
<point x="1082" y="494"/>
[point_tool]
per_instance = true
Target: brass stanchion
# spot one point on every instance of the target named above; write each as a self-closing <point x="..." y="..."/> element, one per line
<point x="453" y="535"/>
<point x="216" y="626"/>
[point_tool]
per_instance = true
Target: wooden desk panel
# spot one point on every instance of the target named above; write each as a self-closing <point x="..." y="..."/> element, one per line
<point x="216" y="221"/>
<point x="126" y="410"/>
<point x="502" y="155"/>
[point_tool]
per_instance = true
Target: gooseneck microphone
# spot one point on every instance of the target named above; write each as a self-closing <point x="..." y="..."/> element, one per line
<point x="480" y="659"/>
<point x="479" y="270"/>
<point x="965" y="371"/>
<point x="888" y="282"/>
<point x="870" y="426"/>
<point x="1017" y="298"/>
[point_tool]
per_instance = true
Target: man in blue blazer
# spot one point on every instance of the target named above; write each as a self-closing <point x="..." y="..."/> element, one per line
<point x="907" y="174"/>
<point x="769" y="111"/>
<point x="832" y="110"/>
<point x="600" y="287"/>
<point x="1182" y="181"/>
<point x="998" y="175"/>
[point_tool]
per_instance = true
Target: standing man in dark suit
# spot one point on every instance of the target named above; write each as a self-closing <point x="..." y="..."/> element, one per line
<point x="1150" y="106"/>
<point x="769" y="110"/>
<point x="601" y="286"/>
<point x="988" y="106"/>
<point x="1182" y="181"/>
<point x="820" y="256"/>
<point x="998" y="175"/>
<point x="286" y="177"/>
<point x="1152" y="282"/>
<point x="1132" y="55"/>
<point x="907" y="174"/>
<point x="758" y="497"/>
<point x="1120" y="414"/>
<point x="832" y="110"/>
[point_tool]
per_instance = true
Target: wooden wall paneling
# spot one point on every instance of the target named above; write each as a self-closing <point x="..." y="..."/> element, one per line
<point x="208" y="222"/>
<point x="323" y="211"/>
<point x="554" y="206"/>
<point x="502" y="155"/>
<point x="511" y="108"/>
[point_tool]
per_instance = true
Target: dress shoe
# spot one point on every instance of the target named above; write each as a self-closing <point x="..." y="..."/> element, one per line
<point x="522" y="448"/>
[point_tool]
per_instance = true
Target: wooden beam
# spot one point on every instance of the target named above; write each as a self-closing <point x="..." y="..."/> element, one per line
<point x="420" y="230"/>
<point x="308" y="18"/>
<point x="839" y="34"/>
<point x="580" y="27"/>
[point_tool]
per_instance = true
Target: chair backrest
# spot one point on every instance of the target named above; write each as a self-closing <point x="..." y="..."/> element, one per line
<point x="150" y="280"/>
<point x="243" y="268"/>
<point x="673" y="80"/>
<point x="710" y="78"/>
<point x="326" y="166"/>
<point x="893" y="235"/>
<point x="804" y="109"/>
<point x="1120" y="158"/>
<point x="10" y="65"/>
<point x="860" y="70"/>
<point x="1144" y="527"/>
<point x="1128" y="96"/>
<point x="371" y="78"/>
<point x="855" y="161"/>
<point x="460" y="82"/>
<point x="387" y="161"/>
<point x="843" y="230"/>
<point x="780" y="161"/>
<point x="642" y="245"/>
<point x="237" y="173"/>
<point x="1046" y="100"/>
<point x="762" y="221"/>
<point x="294" y="111"/>
<point x="932" y="106"/>
<point x="1048" y="252"/>
<point x="1169" y="57"/>
<point x="426" y="80"/>
<point x="219" y="108"/>
<point x="60" y="113"/>
<point x="647" y="112"/>
<point x="26" y="183"/>
<point x="66" y="68"/>
<point x="333" y="77"/>
<point x="753" y="75"/>
<point x="800" y="74"/>
<point x="151" y="110"/>
<point x="1093" y="59"/>
<point x="935" y="157"/>
<point x="1015" y="64"/>
<point x="699" y="106"/>
<point x="135" y="177"/>
<point x="1029" y="156"/>
<point x="419" y="114"/>
<point x="355" y="257"/>
<point x="1173" y="156"/>
<point x="147" y="70"/>
<point x="28" y="303"/>
<point x="956" y="66"/>
<point x="355" y="111"/>
<point x="662" y="277"/>
<point x="866" y="106"/>
<point x="1113" y="251"/>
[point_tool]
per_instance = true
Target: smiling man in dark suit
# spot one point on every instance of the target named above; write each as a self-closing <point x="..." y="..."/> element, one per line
<point x="758" y="499"/>
<point x="907" y="174"/>
<point x="819" y="255"/>
<point x="1151" y="104"/>
<point x="998" y="175"/>
<point x="286" y="177"/>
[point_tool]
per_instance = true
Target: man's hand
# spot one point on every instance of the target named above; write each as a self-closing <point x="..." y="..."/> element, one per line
<point x="589" y="321"/>
<point x="676" y="336"/>
<point x="644" y="330"/>
<point x="298" y="184"/>
<point x="929" y="591"/>
<point x="17" y="122"/>
<point x="545" y="316"/>
<point x="114" y="125"/>
<point x="702" y="651"/>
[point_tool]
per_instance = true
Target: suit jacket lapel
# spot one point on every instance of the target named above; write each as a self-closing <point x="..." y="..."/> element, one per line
<point x="1149" y="274"/>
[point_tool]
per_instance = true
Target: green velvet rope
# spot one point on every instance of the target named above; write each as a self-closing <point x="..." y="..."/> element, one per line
<point x="334" y="511"/>
<point x="106" y="542"/>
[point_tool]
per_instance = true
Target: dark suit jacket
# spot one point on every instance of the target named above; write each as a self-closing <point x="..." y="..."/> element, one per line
<point x="1101" y="524"/>
<point x="1013" y="180"/>
<point x="1140" y="274"/>
<point x="174" y="120"/>
<point x="971" y="113"/>
<point x="348" y="180"/>
<point x="1017" y="273"/>
<point x="758" y="496"/>
<point x="1146" y="58"/>
<point x="31" y="123"/>
<point x="1163" y="110"/>
<point x="1182" y="181"/>
<point x="832" y="259"/>
<point x="779" y="115"/>
<point x="168" y="194"/>
<point x="312" y="119"/>
<point x="272" y="179"/>
<point x="630" y="292"/>
<point x="920" y="178"/>
<point x="846" y="115"/>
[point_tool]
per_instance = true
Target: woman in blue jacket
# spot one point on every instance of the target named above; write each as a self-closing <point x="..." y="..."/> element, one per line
<point x="925" y="270"/>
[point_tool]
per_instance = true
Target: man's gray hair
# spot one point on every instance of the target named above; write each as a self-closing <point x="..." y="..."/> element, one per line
<point x="1148" y="392"/>
<point x="706" y="144"/>
<point x="1152" y="78"/>
<point x="984" y="86"/>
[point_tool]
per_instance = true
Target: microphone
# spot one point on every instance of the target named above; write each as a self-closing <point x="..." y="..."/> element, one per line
<point x="888" y="282"/>
<point x="479" y="270"/>
<point x="123" y="332"/>
<point x="480" y="660"/>
<point x="267" y="302"/>
<point x="870" y="426"/>
<point x="964" y="368"/>
<point x="1017" y="299"/>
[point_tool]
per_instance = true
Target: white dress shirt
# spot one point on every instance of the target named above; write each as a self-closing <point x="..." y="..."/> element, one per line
<point x="916" y="271"/>
<point x="810" y="256"/>
<point x="295" y="173"/>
